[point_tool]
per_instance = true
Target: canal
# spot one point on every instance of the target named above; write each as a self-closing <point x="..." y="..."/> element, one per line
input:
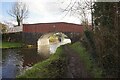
<point x="15" y="61"/>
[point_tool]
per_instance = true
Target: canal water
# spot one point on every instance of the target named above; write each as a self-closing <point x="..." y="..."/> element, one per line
<point x="15" y="61"/>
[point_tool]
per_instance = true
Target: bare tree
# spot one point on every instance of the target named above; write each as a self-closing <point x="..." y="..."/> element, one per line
<point x="81" y="9"/>
<point x="19" y="11"/>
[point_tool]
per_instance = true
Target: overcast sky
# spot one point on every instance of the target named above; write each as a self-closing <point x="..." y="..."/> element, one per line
<point x="40" y="11"/>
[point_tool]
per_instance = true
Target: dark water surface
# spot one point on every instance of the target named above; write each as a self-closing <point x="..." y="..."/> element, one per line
<point x="14" y="61"/>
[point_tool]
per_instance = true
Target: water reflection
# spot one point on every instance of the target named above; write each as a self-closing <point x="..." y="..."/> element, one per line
<point x="50" y="48"/>
<point x="30" y="56"/>
<point x="11" y="63"/>
<point x="14" y="61"/>
<point x="48" y="43"/>
<point x="43" y="50"/>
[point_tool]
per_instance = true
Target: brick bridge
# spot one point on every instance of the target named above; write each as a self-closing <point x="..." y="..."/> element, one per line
<point x="32" y="32"/>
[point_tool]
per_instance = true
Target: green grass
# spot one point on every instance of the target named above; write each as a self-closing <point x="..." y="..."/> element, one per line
<point x="53" y="67"/>
<point x="85" y="56"/>
<point x="10" y="45"/>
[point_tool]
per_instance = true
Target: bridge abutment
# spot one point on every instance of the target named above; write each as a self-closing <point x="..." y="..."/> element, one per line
<point x="31" y="38"/>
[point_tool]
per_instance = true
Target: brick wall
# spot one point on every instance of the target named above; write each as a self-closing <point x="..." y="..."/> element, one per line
<point x="12" y="37"/>
<point x="52" y="27"/>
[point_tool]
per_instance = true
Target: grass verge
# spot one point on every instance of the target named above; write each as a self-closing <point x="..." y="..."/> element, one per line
<point x="10" y="45"/>
<point x="53" y="67"/>
<point x="90" y="66"/>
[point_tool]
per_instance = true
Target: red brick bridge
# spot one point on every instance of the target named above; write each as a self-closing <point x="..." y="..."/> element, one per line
<point x="52" y="27"/>
<point x="32" y="32"/>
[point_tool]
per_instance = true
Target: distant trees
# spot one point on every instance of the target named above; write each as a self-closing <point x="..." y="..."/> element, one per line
<point x="19" y="11"/>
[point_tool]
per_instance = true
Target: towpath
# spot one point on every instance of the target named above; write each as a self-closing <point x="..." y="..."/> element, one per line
<point x="75" y="66"/>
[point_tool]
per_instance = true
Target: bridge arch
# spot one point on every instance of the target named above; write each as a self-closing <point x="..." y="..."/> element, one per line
<point x="32" y="32"/>
<point x="45" y="46"/>
<point x="46" y="37"/>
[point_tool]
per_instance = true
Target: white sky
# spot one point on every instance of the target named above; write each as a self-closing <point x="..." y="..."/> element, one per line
<point x="43" y="11"/>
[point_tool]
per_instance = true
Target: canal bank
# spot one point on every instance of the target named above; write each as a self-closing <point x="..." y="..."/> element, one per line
<point x="6" y="45"/>
<point x="53" y="67"/>
<point x="16" y="60"/>
<point x="69" y="61"/>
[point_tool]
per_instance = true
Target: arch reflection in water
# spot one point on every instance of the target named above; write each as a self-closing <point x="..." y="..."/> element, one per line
<point x="44" y="51"/>
<point x="45" y="48"/>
